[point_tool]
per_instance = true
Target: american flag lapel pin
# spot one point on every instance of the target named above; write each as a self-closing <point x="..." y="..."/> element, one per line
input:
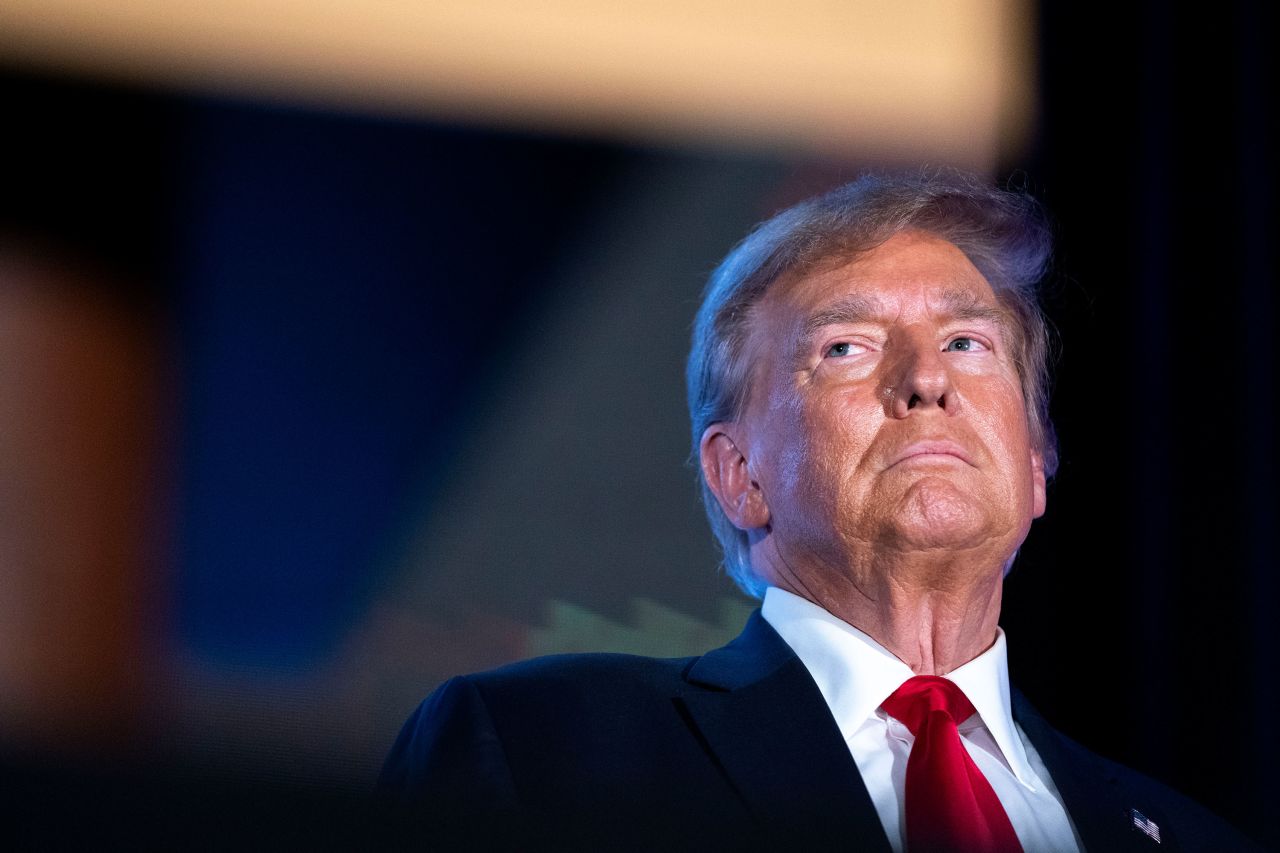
<point x="1145" y="825"/>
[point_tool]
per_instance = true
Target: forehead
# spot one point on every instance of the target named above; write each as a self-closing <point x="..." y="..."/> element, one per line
<point x="912" y="273"/>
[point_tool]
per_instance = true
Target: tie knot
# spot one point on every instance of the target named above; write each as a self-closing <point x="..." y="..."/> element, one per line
<point x="921" y="695"/>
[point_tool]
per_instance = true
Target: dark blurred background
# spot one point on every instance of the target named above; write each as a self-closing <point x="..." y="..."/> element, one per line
<point x="338" y="356"/>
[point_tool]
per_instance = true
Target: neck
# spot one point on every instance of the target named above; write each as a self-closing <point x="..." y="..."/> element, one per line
<point x="934" y="613"/>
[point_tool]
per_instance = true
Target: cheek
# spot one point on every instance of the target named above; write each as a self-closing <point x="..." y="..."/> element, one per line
<point x="995" y="403"/>
<point x="1006" y="430"/>
<point x="795" y="453"/>
<point x="826" y="449"/>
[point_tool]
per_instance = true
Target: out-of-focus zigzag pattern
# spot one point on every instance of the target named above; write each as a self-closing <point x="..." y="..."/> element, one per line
<point x="654" y="629"/>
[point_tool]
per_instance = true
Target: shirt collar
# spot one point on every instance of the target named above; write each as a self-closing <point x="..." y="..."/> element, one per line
<point x="855" y="673"/>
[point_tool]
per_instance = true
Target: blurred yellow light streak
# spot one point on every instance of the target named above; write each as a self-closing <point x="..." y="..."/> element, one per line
<point x="931" y="79"/>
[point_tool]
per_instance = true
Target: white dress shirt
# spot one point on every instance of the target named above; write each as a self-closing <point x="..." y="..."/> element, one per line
<point x="855" y="674"/>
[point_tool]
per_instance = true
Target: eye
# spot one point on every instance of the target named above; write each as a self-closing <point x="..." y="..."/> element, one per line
<point x="964" y="345"/>
<point x="841" y="349"/>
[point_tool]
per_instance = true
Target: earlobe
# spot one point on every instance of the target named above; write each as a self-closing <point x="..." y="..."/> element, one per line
<point x="727" y="473"/>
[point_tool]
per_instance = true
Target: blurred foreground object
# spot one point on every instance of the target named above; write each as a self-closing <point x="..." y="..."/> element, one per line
<point x="929" y="81"/>
<point x="78" y="406"/>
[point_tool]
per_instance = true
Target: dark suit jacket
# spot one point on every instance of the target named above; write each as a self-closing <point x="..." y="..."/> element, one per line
<point x="733" y="750"/>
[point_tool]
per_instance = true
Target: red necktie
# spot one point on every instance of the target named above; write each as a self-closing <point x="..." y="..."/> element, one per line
<point x="950" y="804"/>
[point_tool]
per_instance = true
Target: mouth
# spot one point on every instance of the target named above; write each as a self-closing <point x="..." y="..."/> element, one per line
<point x="946" y="452"/>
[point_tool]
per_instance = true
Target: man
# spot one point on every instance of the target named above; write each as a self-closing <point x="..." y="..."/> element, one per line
<point x="867" y="390"/>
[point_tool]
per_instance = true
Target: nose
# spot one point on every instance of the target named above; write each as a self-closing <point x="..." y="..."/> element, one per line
<point x="917" y="376"/>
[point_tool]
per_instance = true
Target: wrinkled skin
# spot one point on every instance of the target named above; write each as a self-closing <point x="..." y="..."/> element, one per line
<point x="884" y="468"/>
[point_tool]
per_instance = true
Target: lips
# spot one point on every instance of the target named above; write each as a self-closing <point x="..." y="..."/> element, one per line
<point x="932" y="450"/>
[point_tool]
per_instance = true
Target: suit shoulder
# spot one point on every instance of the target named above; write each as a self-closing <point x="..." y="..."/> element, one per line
<point x="569" y="674"/>
<point x="543" y="694"/>
<point x="537" y="713"/>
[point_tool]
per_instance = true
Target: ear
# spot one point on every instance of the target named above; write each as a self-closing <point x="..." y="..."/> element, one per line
<point x="727" y="473"/>
<point x="1037" y="484"/>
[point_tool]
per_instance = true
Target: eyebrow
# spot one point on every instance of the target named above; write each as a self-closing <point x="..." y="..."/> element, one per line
<point x="963" y="305"/>
<point x="849" y="309"/>
<point x="857" y="308"/>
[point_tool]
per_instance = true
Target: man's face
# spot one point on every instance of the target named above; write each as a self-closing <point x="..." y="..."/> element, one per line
<point x="886" y="410"/>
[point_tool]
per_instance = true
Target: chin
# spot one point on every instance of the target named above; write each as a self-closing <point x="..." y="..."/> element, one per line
<point x="940" y="515"/>
<point x="956" y="538"/>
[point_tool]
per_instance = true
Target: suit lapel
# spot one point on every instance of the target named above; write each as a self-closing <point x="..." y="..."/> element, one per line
<point x="1100" y="807"/>
<point x="761" y="715"/>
